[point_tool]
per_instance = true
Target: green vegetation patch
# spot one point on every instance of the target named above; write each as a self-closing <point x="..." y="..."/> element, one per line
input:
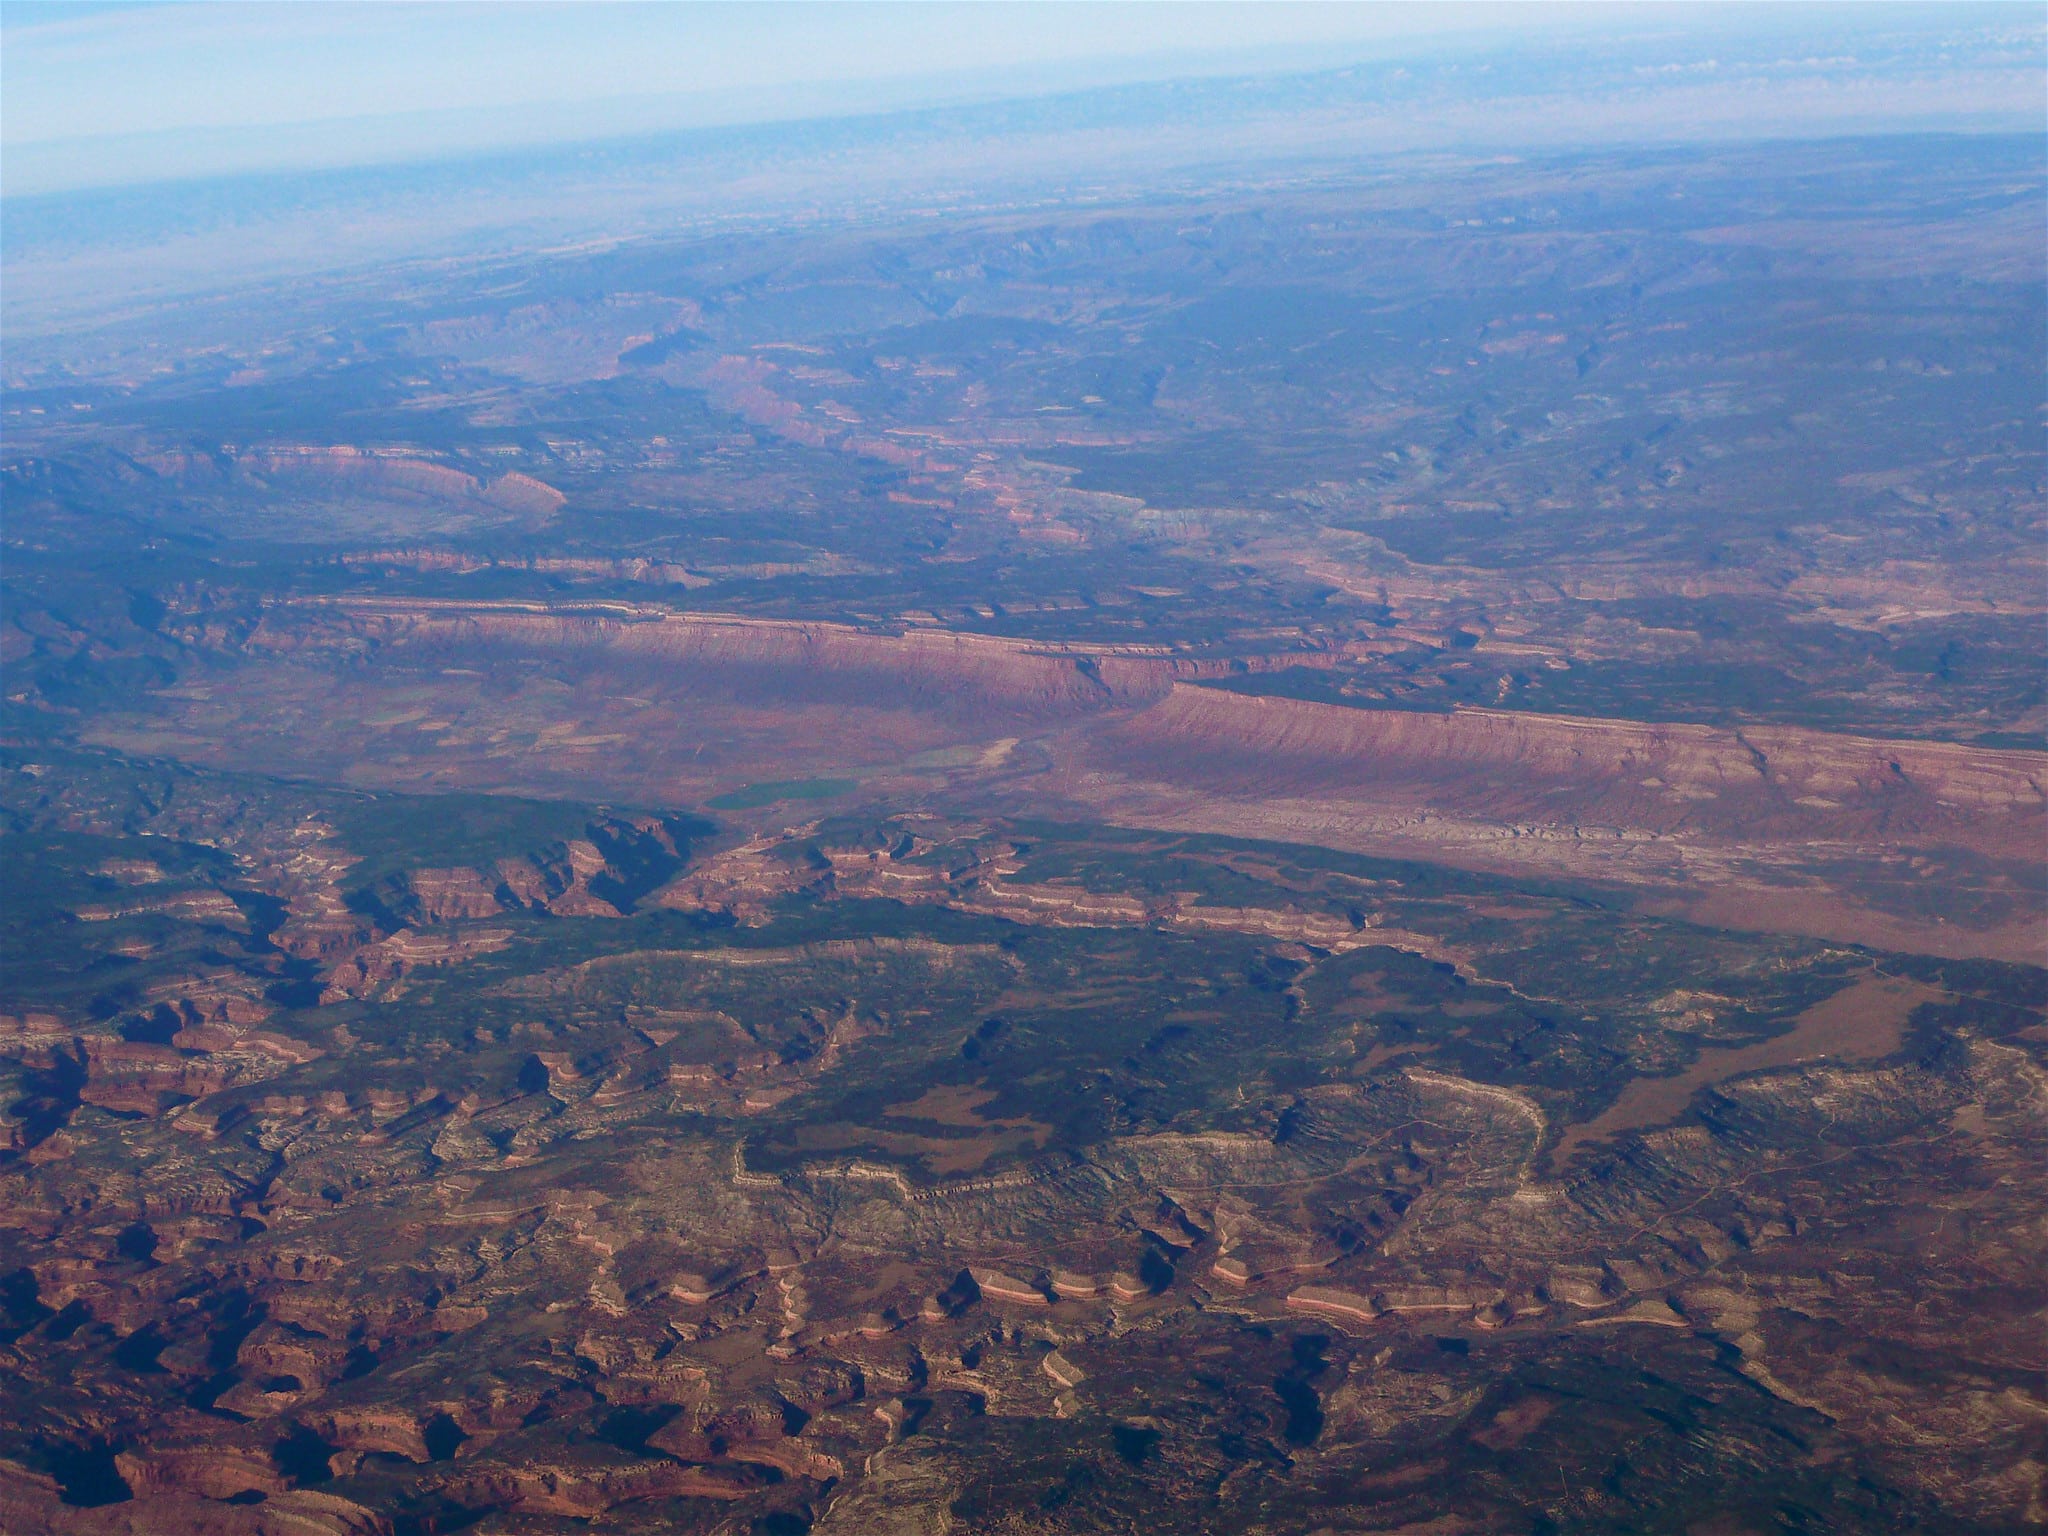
<point x="770" y="791"/>
<point x="78" y="938"/>
<point x="395" y="833"/>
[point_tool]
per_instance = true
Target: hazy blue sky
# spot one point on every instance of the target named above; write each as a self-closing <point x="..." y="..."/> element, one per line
<point x="464" y="75"/>
<point x="123" y="104"/>
<point x="97" y="94"/>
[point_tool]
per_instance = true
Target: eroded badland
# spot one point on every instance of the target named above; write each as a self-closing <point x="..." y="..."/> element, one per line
<point x="1345" y="857"/>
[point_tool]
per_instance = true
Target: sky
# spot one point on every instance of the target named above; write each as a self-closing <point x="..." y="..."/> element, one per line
<point x="83" y="84"/>
<point x="159" y="149"/>
<point x="97" y="94"/>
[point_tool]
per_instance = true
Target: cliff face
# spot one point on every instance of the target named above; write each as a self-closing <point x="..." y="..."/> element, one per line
<point x="1742" y="785"/>
<point x="357" y="466"/>
<point x="757" y="659"/>
<point x="1769" y="780"/>
<point x="315" y="488"/>
<point x="1790" y="829"/>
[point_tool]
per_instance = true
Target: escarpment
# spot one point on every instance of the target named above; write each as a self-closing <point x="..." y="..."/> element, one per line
<point x="1804" y="831"/>
<point x="298" y="492"/>
<point x="330" y="467"/>
<point x="749" y="658"/>
<point x="1141" y="715"/>
<point x="1741" y="784"/>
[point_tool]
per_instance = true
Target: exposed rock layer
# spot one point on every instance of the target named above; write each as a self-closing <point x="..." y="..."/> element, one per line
<point x="1797" y="830"/>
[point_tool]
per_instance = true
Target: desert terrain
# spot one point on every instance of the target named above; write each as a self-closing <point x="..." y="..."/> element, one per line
<point x="1359" y="851"/>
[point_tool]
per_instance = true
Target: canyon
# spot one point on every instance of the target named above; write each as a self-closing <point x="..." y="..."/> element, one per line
<point x="1354" y="848"/>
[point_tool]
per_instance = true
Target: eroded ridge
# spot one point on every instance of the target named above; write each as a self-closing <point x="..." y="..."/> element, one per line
<point x="1797" y="830"/>
<point x="699" y="1177"/>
